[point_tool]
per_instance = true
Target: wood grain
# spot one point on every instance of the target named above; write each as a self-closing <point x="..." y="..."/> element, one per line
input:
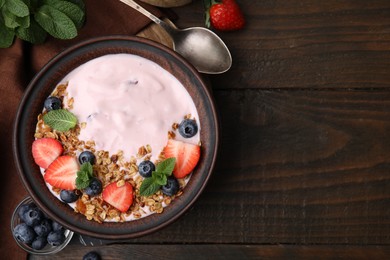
<point x="167" y="3"/>
<point x="155" y="33"/>
<point x="295" y="167"/>
<point x="304" y="157"/>
<point x="305" y="44"/>
<point x="208" y="251"/>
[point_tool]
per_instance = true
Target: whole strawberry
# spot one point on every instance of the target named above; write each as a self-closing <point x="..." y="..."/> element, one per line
<point x="225" y="15"/>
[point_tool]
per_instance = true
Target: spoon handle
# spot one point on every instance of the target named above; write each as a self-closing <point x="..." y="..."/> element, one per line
<point x="152" y="17"/>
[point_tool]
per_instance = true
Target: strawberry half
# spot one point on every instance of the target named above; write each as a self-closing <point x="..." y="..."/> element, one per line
<point x="62" y="173"/>
<point x="45" y="151"/>
<point x="226" y="15"/>
<point x="119" y="197"/>
<point x="187" y="157"/>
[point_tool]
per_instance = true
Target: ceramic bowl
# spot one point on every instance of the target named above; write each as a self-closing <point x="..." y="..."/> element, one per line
<point x="48" y="249"/>
<point x="43" y="84"/>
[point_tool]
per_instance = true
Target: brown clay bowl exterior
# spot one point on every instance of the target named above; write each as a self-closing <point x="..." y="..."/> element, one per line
<point x="41" y="87"/>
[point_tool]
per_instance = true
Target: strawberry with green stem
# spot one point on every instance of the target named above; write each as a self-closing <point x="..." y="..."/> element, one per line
<point x="224" y="15"/>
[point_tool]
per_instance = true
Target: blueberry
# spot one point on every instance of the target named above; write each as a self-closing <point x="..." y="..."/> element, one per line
<point x="94" y="188"/>
<point x="188" y="128"/>
<point x="92" y="256"/>
<point x="68" y="196"/>
<point x="24" y="233"/>
<point x="39" y="243"/>
<point x="52" y="103"/>
<point x="56" y="238"/>
<point x="146" y="168"/>
<point x="56" y="226"/>
<point x="24" y="208"/>
<point x="33" y="216"/>
<point x="87" y="156"/>
<point x="43" y="228"/>
<point x="172" y="186"/>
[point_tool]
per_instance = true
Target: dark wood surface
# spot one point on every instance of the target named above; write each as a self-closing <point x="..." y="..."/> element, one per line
<point x="304" y="164"/>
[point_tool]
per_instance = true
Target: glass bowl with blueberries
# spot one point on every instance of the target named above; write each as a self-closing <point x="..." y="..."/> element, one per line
<point x="36" y="233"/>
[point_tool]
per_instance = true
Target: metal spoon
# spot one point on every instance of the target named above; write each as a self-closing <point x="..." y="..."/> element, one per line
<point x="200" y="46"/>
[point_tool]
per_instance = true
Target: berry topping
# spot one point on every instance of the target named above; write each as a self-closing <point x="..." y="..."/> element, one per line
<point x="188" y="128"/>
<point x="52" y="103"/>
<point x="226" y="15"/>
<point x="94" y="188"/>
<point x="68" y="196"/>
<point x="119" y="197"/>
<point x="36" y="229"/>
<point x="172" y="186"/>
<point x="43" y="228"/>
<point x="62" y="173"/>
<point x="187" y="156"/>
<point x="92" y="256"/>
<point x="24" y="233"/>
<point x="56" y="238"/>
<point x="56" y="226"/>
<point x="24" y="208"/>
<point x="87" y="156"/>
<point x="45" y="151"/>
<point x="39" y="243"/>
<point x="146" y="168"/>
<point x="33" y="216"/>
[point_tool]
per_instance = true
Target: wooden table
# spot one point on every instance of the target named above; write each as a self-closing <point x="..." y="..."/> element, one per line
<point x="304" y="163"/>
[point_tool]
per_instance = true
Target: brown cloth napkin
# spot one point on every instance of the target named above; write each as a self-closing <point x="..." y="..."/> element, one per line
<point x="17" y="66"/>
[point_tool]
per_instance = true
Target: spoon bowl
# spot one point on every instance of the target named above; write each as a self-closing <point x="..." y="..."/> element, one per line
<point x="200" y="46"/>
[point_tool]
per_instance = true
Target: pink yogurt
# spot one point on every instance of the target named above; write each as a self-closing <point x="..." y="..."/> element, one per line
<point x="127" y="102"/>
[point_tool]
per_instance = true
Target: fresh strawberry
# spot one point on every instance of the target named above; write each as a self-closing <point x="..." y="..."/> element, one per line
<point x="187" y="157"/>
<point x="62" y="172"/>
<point x="225" y="15"/>
<point x="119" y="197"/>
<point x="45" y="151"/>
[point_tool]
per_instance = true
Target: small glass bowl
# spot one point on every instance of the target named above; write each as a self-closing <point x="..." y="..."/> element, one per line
<point x="48" y="249"/>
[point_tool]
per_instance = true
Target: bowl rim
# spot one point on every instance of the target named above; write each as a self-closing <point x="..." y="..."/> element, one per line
<point x="84" y="44"/>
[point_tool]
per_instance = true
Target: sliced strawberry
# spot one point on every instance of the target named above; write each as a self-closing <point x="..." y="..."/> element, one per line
<point x="187" y="156"/>
<point x="62" y="172"/>
<point x="45" y="151"/>
<point x="119" y="197"/>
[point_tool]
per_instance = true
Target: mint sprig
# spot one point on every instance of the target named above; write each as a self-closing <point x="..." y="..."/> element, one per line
<point x="151" y="185"/>
<point x="60" y="119"/>
<point x="32" y="20"/>
<point x="84" y="176"/>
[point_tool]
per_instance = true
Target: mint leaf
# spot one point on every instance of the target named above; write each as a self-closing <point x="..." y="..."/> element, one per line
<point x="87" y="167"/>
<point x="148" y="187"/>
<point x="75" y="13"/>
<point x="17" y="7"/>
<point x="31" y="4"/>
<point x="166" y="167"/>
<point x="60" y="119"/>
<point x="55" y="22"/>
<point x="84" y="176"/>
<point x="79" y="3"/>
<point x="6" y="35"/>
<point x="12" y="21"/>
<point x="34" y="34"/>
<point x="31" y="20"/>
<point x="159" y="178"/>
<point x="152" y="184"/>
<point x="9" y="18"/>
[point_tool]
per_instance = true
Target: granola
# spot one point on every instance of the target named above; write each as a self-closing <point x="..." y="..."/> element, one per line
<point x="138" y="109"/>
<point x="108" y="168"/>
